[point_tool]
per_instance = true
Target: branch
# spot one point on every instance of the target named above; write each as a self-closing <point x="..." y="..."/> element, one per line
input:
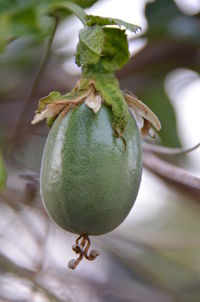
<point x="167" y="151"/>
<point x="20" y="123"/>
<point x="173" y="174"/>
<point x="10" y="266"/>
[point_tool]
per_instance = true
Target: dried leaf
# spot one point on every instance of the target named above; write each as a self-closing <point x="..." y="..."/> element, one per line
<point x="40" y="116"/>
<point x="53" y="107"/>
<point x="140" y="110"/>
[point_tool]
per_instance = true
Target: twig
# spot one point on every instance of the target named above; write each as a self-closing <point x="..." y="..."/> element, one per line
<point x="35" y="82"/>
<point x="168" y="151"/>
<point x="175" y="175"/>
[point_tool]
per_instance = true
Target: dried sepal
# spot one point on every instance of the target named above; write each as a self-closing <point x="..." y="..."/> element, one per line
<point x="93" y="101"/>
<point x="145" y="118"/>
<point x="40" y="116"/>
<point x="52" y="107"/>
<point x="51" y="97"/>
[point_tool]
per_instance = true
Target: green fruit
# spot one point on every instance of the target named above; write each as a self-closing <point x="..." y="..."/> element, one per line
<point x="89" y="182"/>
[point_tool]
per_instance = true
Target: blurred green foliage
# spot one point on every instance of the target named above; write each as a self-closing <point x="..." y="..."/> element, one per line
<point x="173" y="42"/>
<point x="28" y="18"/>
<point x="3" y="173"/>
<point x="166" y="22"/>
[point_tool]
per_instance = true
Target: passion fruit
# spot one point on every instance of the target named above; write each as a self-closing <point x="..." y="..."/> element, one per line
<point x="89" y="180"/>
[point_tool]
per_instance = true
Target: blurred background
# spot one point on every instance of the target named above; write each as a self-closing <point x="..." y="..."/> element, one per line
<point x="154" y="256"/>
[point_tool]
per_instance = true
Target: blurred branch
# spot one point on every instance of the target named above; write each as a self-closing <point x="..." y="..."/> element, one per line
<point x="20" y="123"/>
<point x="29" y="228"/>
<point x="10" y="267"/>
<point x="168" y="151"/>
<point x="172" y="174"/>
<point x="161" y="57"/>
<point x="42" y="245"/>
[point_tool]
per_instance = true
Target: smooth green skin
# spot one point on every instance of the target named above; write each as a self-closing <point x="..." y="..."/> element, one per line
<point x="89" y="182"/>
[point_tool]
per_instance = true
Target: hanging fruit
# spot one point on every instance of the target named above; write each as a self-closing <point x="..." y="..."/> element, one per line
<point x="92" y="162"/>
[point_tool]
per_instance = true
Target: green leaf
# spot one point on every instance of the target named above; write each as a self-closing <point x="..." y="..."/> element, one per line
<point x="175" y="24"/>
<point x="51" y="97"/>
<point x="93" y="38"/>
<point x="84" y="56"/>
<point x="165" y="10"/>
<point x="106" y="46"/>
<point x="92" y="20"/>
<point x="90" y="47"/>
<point x="115" y="52"/>
<point x="156" y="98"/>
<point x="84" y="3"/>
<point x="20" y="18"/>
<point x="4" y="31"/>
<point x="18" y="22"/>
<point x="3" y="173"/>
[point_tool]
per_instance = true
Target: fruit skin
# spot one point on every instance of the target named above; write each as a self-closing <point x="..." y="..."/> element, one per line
<point x="89" y="182"/>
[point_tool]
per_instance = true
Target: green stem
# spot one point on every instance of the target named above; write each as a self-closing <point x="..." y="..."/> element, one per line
<point x="70" y="7"/>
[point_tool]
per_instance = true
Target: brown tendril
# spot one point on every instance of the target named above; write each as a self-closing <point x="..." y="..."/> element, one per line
<point x="81" y="248"/>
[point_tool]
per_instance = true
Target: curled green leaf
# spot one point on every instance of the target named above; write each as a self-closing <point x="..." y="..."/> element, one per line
<point x="115" y="52"/>
<point x="107" y="48"/>
<point x="85" y="56"/>
<point x="90" y="46"/>
<point x="93" y="38"/>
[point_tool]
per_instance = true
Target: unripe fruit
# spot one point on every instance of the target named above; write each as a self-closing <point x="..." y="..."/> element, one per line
<point x="89" y="180"/>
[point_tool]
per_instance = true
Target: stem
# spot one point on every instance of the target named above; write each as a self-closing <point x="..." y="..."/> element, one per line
<point x="173" y="174"/>
<point x="73" y="8"/>
<point x="35" y="82"/>
<point x="168" y="151"/>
